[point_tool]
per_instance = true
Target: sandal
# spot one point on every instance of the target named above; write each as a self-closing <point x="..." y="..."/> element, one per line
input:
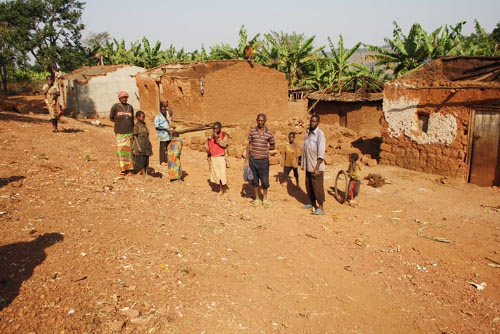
<point x="256" y="203"/>
<point x="318" y="211"/>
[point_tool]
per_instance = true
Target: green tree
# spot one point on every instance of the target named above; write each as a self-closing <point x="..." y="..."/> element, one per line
<point x="151" y="56"/>
<point x="54" y="29"/>
<point x="115" y="52"/>
<point x="11" y="47"/>
<point x="404" y="53"/>
<point x="443" y="41"/>
<point x="377" y="73"/>
<point x="293" y="54"/>
<point x="319" y="77"/>
<point x="495" y="34"/>
<point x="339" y="63"/>
<point x="479" y="43"/>
<point x="225" y="51"/>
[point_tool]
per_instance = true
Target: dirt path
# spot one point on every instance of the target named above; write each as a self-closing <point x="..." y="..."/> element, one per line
<point x="150" y="256"/>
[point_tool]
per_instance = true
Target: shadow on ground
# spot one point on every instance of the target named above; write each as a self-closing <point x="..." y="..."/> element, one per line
<point x="9" y="116"/>
<point x="7" y="180"/>
<point x="18" y="261"/>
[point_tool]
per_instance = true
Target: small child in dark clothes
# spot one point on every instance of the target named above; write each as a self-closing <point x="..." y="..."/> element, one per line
<point x="142" y="146"/>
<point x="353" y="172"/>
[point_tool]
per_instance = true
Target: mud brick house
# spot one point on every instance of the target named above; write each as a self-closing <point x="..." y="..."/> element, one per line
<point x="91" y="91"/>
<point x="229" y="91"/>
<point x="444" y="118"/>
<point x="357" y="106"/>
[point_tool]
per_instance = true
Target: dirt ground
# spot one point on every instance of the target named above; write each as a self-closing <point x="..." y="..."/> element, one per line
<point x="83" y="253"/>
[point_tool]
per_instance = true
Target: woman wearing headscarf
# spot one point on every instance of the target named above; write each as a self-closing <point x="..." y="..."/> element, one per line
<point x="52" y="93"/>
<point x="163" y="126"/>
<point x="122" y="114"/>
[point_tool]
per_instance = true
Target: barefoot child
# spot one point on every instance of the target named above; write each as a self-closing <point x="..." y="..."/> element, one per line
<point x="142" y="146"/>
<point x="174" y="150"/>
<point x="216" y="150"/>
<point x="290" y="154"/>
<point x="353" y="172"/>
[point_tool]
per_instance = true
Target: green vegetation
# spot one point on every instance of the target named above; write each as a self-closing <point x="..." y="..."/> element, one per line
<point x="49" y="32"/>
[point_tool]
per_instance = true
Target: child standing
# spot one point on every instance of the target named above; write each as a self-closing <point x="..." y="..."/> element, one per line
<point x="142" y="146"/>
<point x="353" y="172"/>
<point x="174" y="150"/>
<point x="290" y="155"/>
<point x="163" y="125"/>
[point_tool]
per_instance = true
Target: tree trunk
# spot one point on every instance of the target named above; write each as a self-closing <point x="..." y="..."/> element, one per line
<point x="4" y="77"/>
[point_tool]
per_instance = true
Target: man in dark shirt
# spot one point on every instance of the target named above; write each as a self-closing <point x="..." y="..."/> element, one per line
<point x="260" y="141"/>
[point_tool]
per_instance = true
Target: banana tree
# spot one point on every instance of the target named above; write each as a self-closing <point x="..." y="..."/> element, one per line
<point x="404" y="53"/>
<point x="225" y="51"/>
<point x="115" y="52"/>
<point x="151" y="57"/>
<point x="339" y="63"/>
<point x="293" y="54"/>
<point x="377" y="73"/>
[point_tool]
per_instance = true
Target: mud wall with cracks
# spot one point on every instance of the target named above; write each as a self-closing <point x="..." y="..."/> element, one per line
<point x="148" y="95"/>
<point x="443" y="149"/>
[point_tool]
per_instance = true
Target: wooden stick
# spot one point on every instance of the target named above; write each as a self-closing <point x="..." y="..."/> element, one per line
<point x="206" y="127"/>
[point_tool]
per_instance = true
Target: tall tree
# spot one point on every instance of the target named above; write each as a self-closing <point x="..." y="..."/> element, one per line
<point x="54" y="31"/>
<point x="293" y="54"/>
<point x="404" y="52"/>
<point x="13" y="48"/>
<point x="339" y="62"/>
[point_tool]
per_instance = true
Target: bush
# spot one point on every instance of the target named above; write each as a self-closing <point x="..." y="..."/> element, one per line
<point x="26" y="80"/>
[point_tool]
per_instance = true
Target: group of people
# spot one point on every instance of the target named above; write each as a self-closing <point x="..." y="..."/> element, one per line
<point x="134" y="149"/>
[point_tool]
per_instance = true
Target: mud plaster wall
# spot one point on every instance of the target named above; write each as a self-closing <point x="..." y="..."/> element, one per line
<point x="443" y="149"/>
<point x="148" y="95"/>
<point x="362" y="117"/>
<point x="96" y="97"/>
<point x="184" y="97"/>
<point x="239" y="92"/>
<point x="329" y="111"/>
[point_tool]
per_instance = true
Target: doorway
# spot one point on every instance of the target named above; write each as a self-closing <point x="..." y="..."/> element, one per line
<point x="485" y="154"/>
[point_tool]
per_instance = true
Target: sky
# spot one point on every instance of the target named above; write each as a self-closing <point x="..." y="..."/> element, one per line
<point x="190" y="24"/>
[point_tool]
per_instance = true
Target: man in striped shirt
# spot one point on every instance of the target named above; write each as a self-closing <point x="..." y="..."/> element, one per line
<point x="260" y="141"/>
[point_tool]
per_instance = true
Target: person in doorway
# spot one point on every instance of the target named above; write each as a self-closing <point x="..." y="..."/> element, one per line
<point x="290" y="155"/>
<point x="353" y="172"/>
<point x="216" y="150"/>
<point x="313" y="162"/>
<point x="174" y="150"/>
<point x="163" y="126"/>
<point x="260" y="142"/>
<point x="142" y="146"/>
<point x="122" y="114"/>
<point x="52" y="93"/>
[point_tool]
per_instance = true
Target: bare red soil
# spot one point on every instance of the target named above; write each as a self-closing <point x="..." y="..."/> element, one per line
<point x="83" y="253"/>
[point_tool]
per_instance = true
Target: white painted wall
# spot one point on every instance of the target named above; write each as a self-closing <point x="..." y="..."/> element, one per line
<point x="98" y="95"/>
<point x="402" y="118"/>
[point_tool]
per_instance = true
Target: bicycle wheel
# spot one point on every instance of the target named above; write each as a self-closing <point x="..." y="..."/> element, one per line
<point x="341" y="186"/>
